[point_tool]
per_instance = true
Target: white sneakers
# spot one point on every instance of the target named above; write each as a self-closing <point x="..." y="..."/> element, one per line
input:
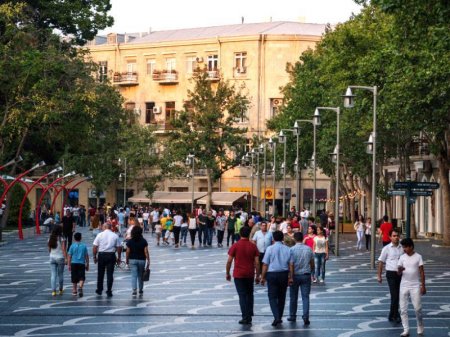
<point x="420" y="330"/>
<point x="405" y="333"/>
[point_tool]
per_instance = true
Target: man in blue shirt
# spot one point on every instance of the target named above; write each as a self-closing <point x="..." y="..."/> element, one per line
<point x="276" y="268"/>
<point x="301" y="265"/>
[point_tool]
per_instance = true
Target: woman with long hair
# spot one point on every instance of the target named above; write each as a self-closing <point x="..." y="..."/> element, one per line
<point x="136" y="257"/>
<point x="320" y="250"/>
<point x="359" y="228"/>
<point x="58" y="258"/>
<point x="192" y="227"/>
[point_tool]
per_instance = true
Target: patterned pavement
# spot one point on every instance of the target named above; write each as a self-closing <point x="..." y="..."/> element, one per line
<point x="188" y="295"/>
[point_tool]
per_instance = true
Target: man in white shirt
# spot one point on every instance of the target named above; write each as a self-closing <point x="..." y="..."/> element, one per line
<point x="389" y="257"/>
<point x="410" y="265"/>
<point x="262" y="239"/>
<point x="155" y="218"/>
<point x="106" y="244"/>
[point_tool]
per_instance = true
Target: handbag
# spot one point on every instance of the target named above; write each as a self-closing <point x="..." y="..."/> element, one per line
<point x="146" y="275"/>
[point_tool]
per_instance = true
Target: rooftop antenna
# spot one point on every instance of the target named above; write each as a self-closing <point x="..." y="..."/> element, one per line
<point x="242" y="20"/>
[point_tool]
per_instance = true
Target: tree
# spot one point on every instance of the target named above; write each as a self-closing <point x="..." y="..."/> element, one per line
<point x="207" y="128"/>
<point x="77" y="19"/>
<point x="50" y="104"/>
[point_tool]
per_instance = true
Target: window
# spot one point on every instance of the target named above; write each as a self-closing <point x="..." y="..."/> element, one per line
<point x="131" y="67"/>
<point x="240" y="63"/>
<point x="170" y="112"/>
<point x="242" y="117"/>
<point x="150" y="66"/>
<point x="103" y="71"/>
<point x="178" y="189"/>
<point x="149" y="114"/>
<point x="213" y="62"/>
<point x="190" y="64"/>
<point x="131" y="115"/>
<point x="171" y="63"/>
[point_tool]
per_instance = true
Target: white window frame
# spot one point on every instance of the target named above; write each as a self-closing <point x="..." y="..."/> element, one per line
<point x="171" y="63"/>
<point x="191" y="62"/>
<point x="131" y="67"/>
<point x="213" y="62"/>
<point x="151" y="65"/>
<point x="240" y="61"/>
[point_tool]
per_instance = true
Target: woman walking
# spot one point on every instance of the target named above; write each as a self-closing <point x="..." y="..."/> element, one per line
<point x="320" y="249"/>
<point x="231" y="222"/>
<point x="58" y="258"/>
<point x="192" y="227"/>
<point x="137" y="255"/>
<point x="359" y="228"/>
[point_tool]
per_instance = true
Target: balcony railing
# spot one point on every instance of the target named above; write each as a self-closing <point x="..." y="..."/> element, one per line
<point x="213" y="75"/>
<point x="240" y="71"/>
<point x="125" y="79"/>
<point x="165" y="77"/>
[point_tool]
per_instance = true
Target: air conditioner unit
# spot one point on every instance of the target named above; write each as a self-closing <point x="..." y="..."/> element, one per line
<point x="157" y="109"/>
<point x="199" y="59"/>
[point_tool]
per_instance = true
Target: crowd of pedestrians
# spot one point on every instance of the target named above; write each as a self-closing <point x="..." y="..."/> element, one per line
<point x="285" y="253"/>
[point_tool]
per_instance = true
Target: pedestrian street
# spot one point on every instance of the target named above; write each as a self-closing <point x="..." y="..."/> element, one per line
<point x="187" y="295"/>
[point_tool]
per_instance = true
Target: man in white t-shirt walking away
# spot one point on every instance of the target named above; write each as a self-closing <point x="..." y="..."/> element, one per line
<point x="410" y="265"/>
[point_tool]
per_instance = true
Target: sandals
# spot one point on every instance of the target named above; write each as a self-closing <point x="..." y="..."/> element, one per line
<point x="74" y="293"/>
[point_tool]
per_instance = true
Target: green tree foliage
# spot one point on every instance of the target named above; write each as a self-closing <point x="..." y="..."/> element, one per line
<point x="207" y="128"/>
<point x="15" y="198"/>
<point x="77" y="19"/>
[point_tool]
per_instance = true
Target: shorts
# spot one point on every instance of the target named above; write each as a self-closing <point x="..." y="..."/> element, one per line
<point x="78" y="272"/>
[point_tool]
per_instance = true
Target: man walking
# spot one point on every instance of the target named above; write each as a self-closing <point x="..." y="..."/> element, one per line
<point x="262" y="239"/>
<point x="246" y="263"/>
<point x="384" y="231"/>
<point x="389" y="257"/>
<point x="301" y="265"/>
<point x="410" y="265"/>
<point x="69" y="226"/>
<point x="106" y="244"/>
<point x="276" y="270"/>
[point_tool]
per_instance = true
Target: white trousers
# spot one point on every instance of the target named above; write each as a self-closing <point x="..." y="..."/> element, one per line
<point x="414" y="294"/>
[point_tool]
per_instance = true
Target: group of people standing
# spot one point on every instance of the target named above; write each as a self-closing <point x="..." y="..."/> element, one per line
<point x="107" y="251"/>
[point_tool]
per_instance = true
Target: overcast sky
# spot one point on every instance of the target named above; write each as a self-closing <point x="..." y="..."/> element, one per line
<point x="142" y="15"/>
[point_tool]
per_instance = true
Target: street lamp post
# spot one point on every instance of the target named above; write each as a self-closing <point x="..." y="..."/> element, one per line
<point x="335" y="159"/>
<point x="349" y="103"/>
<point x="273" y="147"/>
<point x="282" y="140"/>
<point x="124" y="177"/>
<point x="262" y="149"/>
<point x="315" y="122"/>
<point x="190" y="161"/>
<point x="13" y="161"/>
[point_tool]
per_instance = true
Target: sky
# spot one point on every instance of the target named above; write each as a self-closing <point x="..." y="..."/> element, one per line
<point x="143" y="15"/>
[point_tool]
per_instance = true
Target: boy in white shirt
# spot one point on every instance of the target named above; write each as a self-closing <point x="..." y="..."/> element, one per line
<point x="410" y="266"/>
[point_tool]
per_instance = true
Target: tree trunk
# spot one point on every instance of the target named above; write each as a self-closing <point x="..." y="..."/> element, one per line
<point x="445" y="189"/>
<point x="209" y="193"/>
<point x="368" y="193"/>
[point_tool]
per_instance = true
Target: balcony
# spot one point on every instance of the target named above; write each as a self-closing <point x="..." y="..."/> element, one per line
<point x="213" y="75"/>
<point x="165" y="77"/>
<point x="163" y="126"/>
<point x="240" y="72"/>
<point x="125" y="79"/>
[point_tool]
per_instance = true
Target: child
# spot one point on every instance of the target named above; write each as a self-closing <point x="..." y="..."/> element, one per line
<point x="158" y="232"/>
<point x="78" y="263"/>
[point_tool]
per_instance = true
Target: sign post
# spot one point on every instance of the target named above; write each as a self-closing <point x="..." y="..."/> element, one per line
<point x="411" y="190"/>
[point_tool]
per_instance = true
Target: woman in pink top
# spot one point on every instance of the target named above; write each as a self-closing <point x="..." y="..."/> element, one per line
<point x="309" y="239"/>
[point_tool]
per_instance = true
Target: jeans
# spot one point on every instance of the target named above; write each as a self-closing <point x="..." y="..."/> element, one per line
<point x="202" y="234"/>
<point x="137" y="268"/>
<point x="57" y="272"/>
<point x="184" y="231"/>
<point x="230" y="234"/>
<point x="414" y="294"/>
<point x="319" y="261"/>
<point x="192" y="233"/>
<point x="393" y="280"/>
<point x="277" y="283"/>
<point x="209" y="235"/>
<point x="304" y="283"/>
<point x="359" y="236"/>
<point x="106" y="261"/>
<point x="220" y="235"/>
<point x="244" y="288"/>
<point x="145" y="225"/>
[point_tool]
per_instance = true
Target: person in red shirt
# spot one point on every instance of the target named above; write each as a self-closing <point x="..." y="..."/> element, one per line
<point x="384" y="231"/>
<point x="246" y="262"/>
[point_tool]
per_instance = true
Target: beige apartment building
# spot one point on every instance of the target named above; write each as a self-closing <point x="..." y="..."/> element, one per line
<point x="153" y="72"/>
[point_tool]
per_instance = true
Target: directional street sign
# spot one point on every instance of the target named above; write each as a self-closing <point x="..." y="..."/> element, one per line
<point x="403" y="185"/>
<point x="396" y="192"/>
<point x="421" y="193"/>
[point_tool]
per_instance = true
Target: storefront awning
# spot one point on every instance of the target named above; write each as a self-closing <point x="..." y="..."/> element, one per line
<point x="223" y="198"/>
<point x="162" y="197"/>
